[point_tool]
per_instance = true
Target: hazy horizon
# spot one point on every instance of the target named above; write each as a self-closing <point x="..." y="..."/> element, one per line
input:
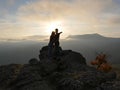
<point x="42" y="38"/>
<point x="21" y="51"/>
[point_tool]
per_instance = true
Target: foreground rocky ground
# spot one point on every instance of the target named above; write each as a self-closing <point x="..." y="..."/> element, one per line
<point x="67" y="72"/>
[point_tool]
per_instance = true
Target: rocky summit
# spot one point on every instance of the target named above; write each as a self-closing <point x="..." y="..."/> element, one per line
<point x="68" y="71"/>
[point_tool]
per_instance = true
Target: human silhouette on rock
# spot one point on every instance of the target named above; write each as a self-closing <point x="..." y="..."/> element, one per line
<point x="57" y="43"/>
<point x="54" y="43"/>
<point x="51" y="44"/>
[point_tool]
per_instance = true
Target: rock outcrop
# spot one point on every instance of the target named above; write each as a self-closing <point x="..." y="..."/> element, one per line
<point x="69" y="71"/>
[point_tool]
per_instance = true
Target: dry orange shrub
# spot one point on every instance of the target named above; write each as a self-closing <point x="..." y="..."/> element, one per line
<point x="105" y="67"/>
<point x="101" y="63"/>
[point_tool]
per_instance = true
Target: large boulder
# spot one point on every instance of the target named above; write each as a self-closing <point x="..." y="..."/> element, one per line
<point x="67" y="58"/>
<point x="44" y="52"/>
<point x="33" y="61"/>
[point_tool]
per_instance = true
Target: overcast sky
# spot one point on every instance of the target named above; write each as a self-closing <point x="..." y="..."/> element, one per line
<point x="21" y="18"/>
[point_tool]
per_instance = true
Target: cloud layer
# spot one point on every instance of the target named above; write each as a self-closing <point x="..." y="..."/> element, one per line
<point x="78" y="17"/>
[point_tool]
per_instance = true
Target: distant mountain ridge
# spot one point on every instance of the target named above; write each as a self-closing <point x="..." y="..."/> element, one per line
<point x="46" y="37"/>
<point x="89" y="36"/>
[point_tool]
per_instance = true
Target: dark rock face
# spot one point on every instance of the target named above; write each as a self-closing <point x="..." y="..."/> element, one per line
<point x="68" y="59"/>
<point x="33" y="61"/>
<point x="29" y="78"/>
<point x="111" y="85"/>
<point x="69" y="71"/>
<point x="8" y="74"/>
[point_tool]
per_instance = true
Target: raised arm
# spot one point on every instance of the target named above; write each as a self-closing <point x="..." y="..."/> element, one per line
<point x="60" y="32"/>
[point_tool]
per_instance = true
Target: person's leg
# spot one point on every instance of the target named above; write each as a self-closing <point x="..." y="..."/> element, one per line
<point x="57" y="48"/>
<point x="50" y="50"/>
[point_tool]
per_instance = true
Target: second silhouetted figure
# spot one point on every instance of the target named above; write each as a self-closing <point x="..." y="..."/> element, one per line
<point x="54" y="42"/>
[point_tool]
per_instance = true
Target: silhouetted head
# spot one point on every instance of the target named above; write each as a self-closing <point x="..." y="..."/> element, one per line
<point x="53" y="33"/>
<point x="56" y="30"/>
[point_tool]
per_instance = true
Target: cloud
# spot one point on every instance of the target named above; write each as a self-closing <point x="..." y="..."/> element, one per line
<point x="10" y="2"/>
<point x="74" y="12"/>
<point x="50" y="9"/>
<point x="115" y="20"/>
<point x="37" y="37"/>
<point x="26" y="38"/>
<point x="79" y="17"/>
<point x="43" y="11"/>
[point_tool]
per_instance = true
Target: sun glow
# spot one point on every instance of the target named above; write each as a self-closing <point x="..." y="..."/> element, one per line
<point x="53" y="25"/>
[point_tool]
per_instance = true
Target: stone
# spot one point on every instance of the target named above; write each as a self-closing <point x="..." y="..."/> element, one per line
<point x="33" y="61"/>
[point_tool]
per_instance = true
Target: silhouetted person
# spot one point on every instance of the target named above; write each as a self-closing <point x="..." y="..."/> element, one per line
<point x="57" y="36"/>
<point x="51" y="44"/>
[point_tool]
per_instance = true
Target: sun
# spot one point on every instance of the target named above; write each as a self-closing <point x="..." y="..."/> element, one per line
<point x="53" y="25"/>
